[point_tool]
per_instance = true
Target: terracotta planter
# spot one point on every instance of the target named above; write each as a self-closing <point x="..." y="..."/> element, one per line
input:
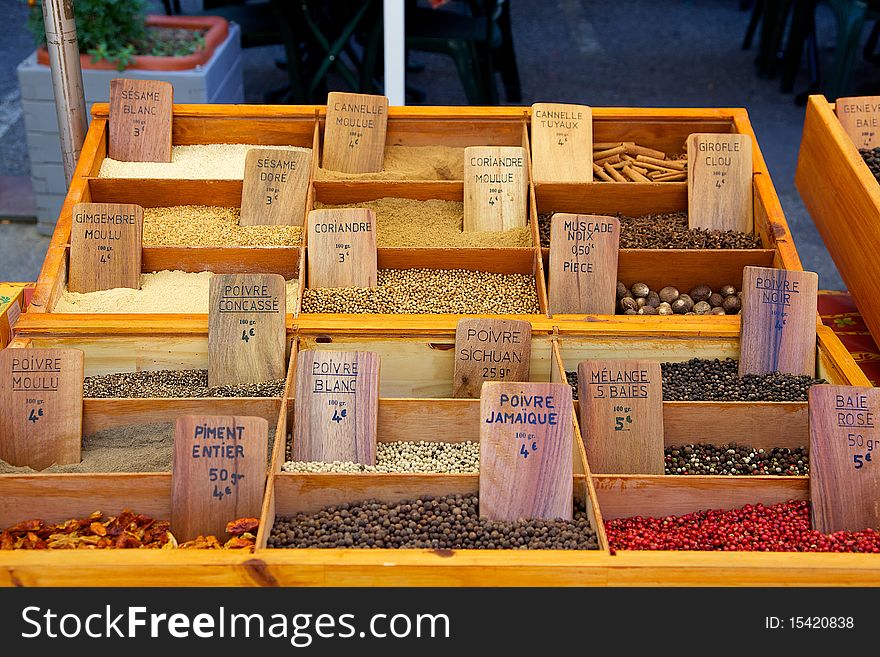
<point x="216" y="30"/>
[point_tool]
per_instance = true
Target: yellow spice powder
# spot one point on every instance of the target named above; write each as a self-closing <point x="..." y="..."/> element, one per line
<point x="410" y="163"/>
<point x="201" y="225"/>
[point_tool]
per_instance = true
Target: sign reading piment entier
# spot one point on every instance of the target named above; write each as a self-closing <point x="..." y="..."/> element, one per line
<point x="41" y="398"/>
<point x="246" y="328"/>
<point x="720" y="181"/>
<point x="275" y="187"/>
<point x="106" y="241"/>
<point x="354" y="134"/>
<point x="583" y="263"/>
<point x="218" y="473"/>
<point x="844" y="458"/>
<point x="495" y="188"/>
<point x="490" y="350"/>
<point x="562" y="143"/>
<point x="525" y="451"/>
<point x="342" y="248"/>
<point x="337" y="406"/>
<point x="860" y="118"/>
<point x="140" y="120"/>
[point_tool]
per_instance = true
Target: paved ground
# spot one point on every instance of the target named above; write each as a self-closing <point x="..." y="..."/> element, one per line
<point x="634" y="52"/>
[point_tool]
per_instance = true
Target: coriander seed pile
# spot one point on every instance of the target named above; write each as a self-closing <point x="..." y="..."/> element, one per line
<point x="202" y="225"/>
<point x="734" y="459"/>
<point x="639" y="299"/>
<point x="172" y="383"/>
<point x="405" y="456"/>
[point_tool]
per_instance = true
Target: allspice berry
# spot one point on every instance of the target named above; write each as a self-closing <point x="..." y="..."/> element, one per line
<point x="715" y="300"/>
<point x="727" y="290"/>
<point x="653" y="299"/>
<point x="664" y="308"/>
<point x="628" y="303"/>
<point x="668" y="294"/>
<point x="702" y="307"/>
<point x="640" y="290"/>
<point x="689" y="302"/>
<point x="701" y="293"/>
<point x="731" y="304"/>
<point x="622" y="290"/>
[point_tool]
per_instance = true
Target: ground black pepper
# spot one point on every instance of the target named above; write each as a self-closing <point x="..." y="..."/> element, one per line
<point x="172" y="383"/>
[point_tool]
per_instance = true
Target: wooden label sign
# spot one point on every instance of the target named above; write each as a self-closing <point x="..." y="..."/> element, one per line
<point x="105" y="246"/>
<point x="354" y="134"/>
<point x="495" y="188"/>
<point x="778" y="321"/>
<point x="275" y="187"/>
<point x="218" y="473"/>
<point x="583" y="263"/>
<point x="525" y="451"/>
<point x="337" y="406"/>
<point x="41" y="406"/>
<point x="490" y="350"/>
<point x="720" y="182"/>
<point x="621" y="415"/>
<point x="844" y="458"/>
<point x="140" y="120"/>
<point x="246" y="330"/>
<point x="342" y="248"/>
<point x="860" y="118"/>
<point x="562" y="143"/>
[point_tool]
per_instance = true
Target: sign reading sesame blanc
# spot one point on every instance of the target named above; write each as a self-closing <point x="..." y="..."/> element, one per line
<point x="354" y="133"/>
<point x="562" y="143"/>
<point x="218" y="473"/>
<point x="583" y="263"/>
<point x="860" y="118"/>
<point x="140" y="120"/>
<point x="490" y="350"/>
<point x="246" y="328"/>
<point x="275" y="187"/>
<point x="106" y="241"/>
<point x="526" y="434"/>
<point x="720" y="182"/>
<point x="844" y="458"/>
<point x="495" y="188"/>
<point x="337" y="406"/>
<point x="342" y="248"/>
<point x="621" y="415"/>
<point x="41" y="402"/>
<point x="778" y="321"/>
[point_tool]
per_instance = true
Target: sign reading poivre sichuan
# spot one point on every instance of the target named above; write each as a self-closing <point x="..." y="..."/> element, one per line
<point x="246" y="328"/>
<point x="354" y="133"/>
<point x="106" y="241"/>
<point x="495" y="188"/>
<point x="41" y="402"/>
<point x="860" y="118"/>
<point x="140" y="120"/>
<point x="275" y="187"/>
<point x="562" y="143"/>
<point x="490" y="350"/>
<point x="720" y="182"/>
<point x="342" y="248"/>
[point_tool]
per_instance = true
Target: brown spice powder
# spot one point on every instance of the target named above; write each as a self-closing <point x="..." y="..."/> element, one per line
<point x="410" y="163"/>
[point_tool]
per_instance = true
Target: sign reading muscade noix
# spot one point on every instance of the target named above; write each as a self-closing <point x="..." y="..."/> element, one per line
<point x="860" y="118"/>
<point x="525" y="451"/>
<point x="275" y="187"/>
<point x="562" y="143"/>
<point x="490" y="350"/>
<point x="41" y="398"/>
<point x="778" y="321"/>
<point x="621" y="415"/>
<point x="342" y="248"/>
<point x="140" y="120"/>
<point x="583" y="263"/>
<point x="495" y="188"/>
<point x="337" y="406"/>
<point x="720" y="181"/>
<point x="354" y="133"/>
<point x="844" y="458"/>
<point x="246" y="328"/>
<point x="218" y="473"/>
<point x="106" y="241"/>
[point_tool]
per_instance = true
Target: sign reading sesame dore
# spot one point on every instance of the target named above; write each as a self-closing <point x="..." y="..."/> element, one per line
<point x="140" y="120"/>
<point x="778" y="321"/>
<point x="720" y="182"/>
<point x="495" y="188"/>
<point x="342" y="248"/>
<point x="218" y="473"/>
<point x="106" y="241"/>
<point x="526" y="451"/>
<point x="562" y="143"/>
<point x="583" y="263"/>
<point x="42" y="402"/>
<point x="490" y="350"/>
<point x="337" y="406"/>
<point x="621" y="415"/>
<point x="246" y="329"/>
<point x="354" y="133"/>
<point x="860" y="118"/>
<point x="844" y="458"/>
<point x="275" y="187"/>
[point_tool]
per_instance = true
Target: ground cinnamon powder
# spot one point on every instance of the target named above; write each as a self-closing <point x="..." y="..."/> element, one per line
<point x="410" y="163"/>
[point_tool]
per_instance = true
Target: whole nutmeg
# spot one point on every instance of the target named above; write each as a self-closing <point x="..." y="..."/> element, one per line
<point x="653" y="299"/>
<point x="668" y="294"/>
<point x="680" y="306"/>
<point x="630" y="311"/>
<point x="664" y="309"/>
<point x="689" y="302"/>
<point x="731" y="304"/>
<point x="715" y="300"/>
<point x="691" y="313"/>
<point x="701" y="293"/>
<point x="647" y="310"/>
<point x="622" y="291"/>
<point x="727" y="290"/>
<point x="628" y="303"/>
<point x="717" y="311"/>
<point x="640" y="290"/>
<point x="641" y="302"/>
<point x="702" y="307"/>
